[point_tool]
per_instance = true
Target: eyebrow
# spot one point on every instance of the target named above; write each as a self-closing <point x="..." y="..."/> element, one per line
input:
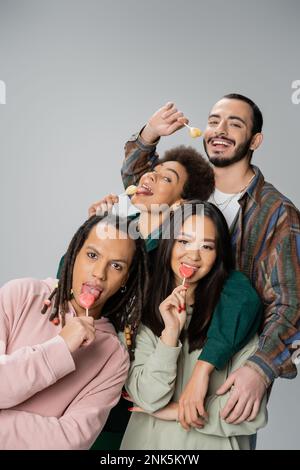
<point x="169" y="169"/>
<point x="229" y="117"/>
<point x="205" y="239"/>
<point x="91" y="247"/>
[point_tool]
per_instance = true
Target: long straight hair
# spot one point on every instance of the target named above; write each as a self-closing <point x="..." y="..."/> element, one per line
<point x="208" y="290"/>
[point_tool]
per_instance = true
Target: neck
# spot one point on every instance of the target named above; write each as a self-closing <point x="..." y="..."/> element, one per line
<point x="148" y="222"/>
<point x="233" y="178"/>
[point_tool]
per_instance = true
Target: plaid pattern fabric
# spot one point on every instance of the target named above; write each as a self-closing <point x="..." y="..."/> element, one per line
<point x="266" y="246"/>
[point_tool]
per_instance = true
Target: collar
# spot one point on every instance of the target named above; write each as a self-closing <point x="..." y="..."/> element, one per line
<point x="254" y="190"/>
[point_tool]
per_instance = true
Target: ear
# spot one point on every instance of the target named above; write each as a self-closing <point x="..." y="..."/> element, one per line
<point x="256" y="141"/>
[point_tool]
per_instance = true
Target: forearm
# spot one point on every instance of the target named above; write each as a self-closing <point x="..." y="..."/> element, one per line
<point x="273" y="357"/>
<point x="151" y="381"/>
<point x="21" y="430"/>
<point x="140" y="157"/>
<point x="233" y="322"/>
<point x="78" y="427"/>
<point x="278" y="284"/>
<point x="32" y="369"/>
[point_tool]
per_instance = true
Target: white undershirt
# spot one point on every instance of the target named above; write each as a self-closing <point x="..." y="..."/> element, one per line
<point x="230" y="206"/>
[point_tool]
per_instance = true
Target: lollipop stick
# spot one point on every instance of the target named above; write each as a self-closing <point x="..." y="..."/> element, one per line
<point x="186" y="125"/>
<point x="180" y="309"/>
<point x="86" y="312"/>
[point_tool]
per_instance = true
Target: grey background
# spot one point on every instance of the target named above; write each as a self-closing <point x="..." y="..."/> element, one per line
<point x="82" y="76"/>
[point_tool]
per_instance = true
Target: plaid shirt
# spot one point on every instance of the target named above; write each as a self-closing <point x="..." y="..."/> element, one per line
<point x="266" y="246"/>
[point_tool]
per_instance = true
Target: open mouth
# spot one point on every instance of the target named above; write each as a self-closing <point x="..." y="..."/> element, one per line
<point x="91" y="289"/>
<point x="145" y="189"/>
<point x="221" y="144"/>
<point x="190" y="267"/>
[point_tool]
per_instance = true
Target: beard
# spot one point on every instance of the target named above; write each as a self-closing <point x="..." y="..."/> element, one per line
<point x="242" y="151"/>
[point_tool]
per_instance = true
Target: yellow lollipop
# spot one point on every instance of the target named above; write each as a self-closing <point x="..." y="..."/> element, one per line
<point x="193" y="131"/>
<point x="132" y="189"/>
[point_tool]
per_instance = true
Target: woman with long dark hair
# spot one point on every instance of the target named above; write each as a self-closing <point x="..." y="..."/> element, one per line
<point x="174" y="328"/>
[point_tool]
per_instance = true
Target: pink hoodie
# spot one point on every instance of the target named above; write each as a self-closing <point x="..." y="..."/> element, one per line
<point x="50" y="398"/>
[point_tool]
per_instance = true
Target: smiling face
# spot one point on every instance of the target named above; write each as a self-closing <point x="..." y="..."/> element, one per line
<point x="194" y="247"/>
<point x="228" y="135"/>
<point x="101" y="266"/>
<point x="163" y="185"/>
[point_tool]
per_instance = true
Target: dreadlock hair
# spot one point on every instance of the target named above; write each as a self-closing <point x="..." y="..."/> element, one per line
<point x="208" y="290"/>
<point x="123" y="308"/>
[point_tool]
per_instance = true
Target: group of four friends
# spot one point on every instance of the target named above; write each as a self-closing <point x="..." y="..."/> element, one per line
<point x="198" y="356"/>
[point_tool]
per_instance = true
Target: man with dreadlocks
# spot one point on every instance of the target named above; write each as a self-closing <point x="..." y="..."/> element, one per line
<point x="62" y="371"/>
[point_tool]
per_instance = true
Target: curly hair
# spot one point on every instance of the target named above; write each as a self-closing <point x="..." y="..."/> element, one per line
<point x="200" y="182"/>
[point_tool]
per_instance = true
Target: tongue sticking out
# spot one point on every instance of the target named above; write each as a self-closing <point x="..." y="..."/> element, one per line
<point x="87" y="289"/>
<point x="186" y="271"/>
<point x="86" y="299"/>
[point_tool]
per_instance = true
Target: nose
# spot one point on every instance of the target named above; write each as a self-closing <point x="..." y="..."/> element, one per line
<point x="99" y="270"/>
<point x="151" y="175"/>
<point x="194" y="253"/>
<point x="221" y="128"/>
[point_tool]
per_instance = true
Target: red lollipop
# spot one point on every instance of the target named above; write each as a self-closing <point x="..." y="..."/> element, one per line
<point x="186" y="271"/>
<point x="86" y="300"/>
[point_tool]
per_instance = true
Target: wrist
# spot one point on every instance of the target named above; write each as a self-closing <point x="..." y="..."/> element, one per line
<point x="204" y="367"/>
<point x="149" y="135"/>
<point x="170" y="337"/>
<point x="266" y="381"/>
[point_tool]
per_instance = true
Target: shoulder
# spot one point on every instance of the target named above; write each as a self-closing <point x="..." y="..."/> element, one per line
<point x="238" y="289"/>
<point x="237" y="280"/>
<point x="278" y="204"/>
<point x="24" y="287"/>
<point x="145" y="337"/>
<point x="17" y="297"/>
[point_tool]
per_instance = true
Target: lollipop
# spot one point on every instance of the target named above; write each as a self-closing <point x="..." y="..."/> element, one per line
<point x="86" y="300"/>
<point x="132" y="189"/>
<point x="186" y="272"/>
<point x="193" y="131"/>
<point x="103" y="207"/>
